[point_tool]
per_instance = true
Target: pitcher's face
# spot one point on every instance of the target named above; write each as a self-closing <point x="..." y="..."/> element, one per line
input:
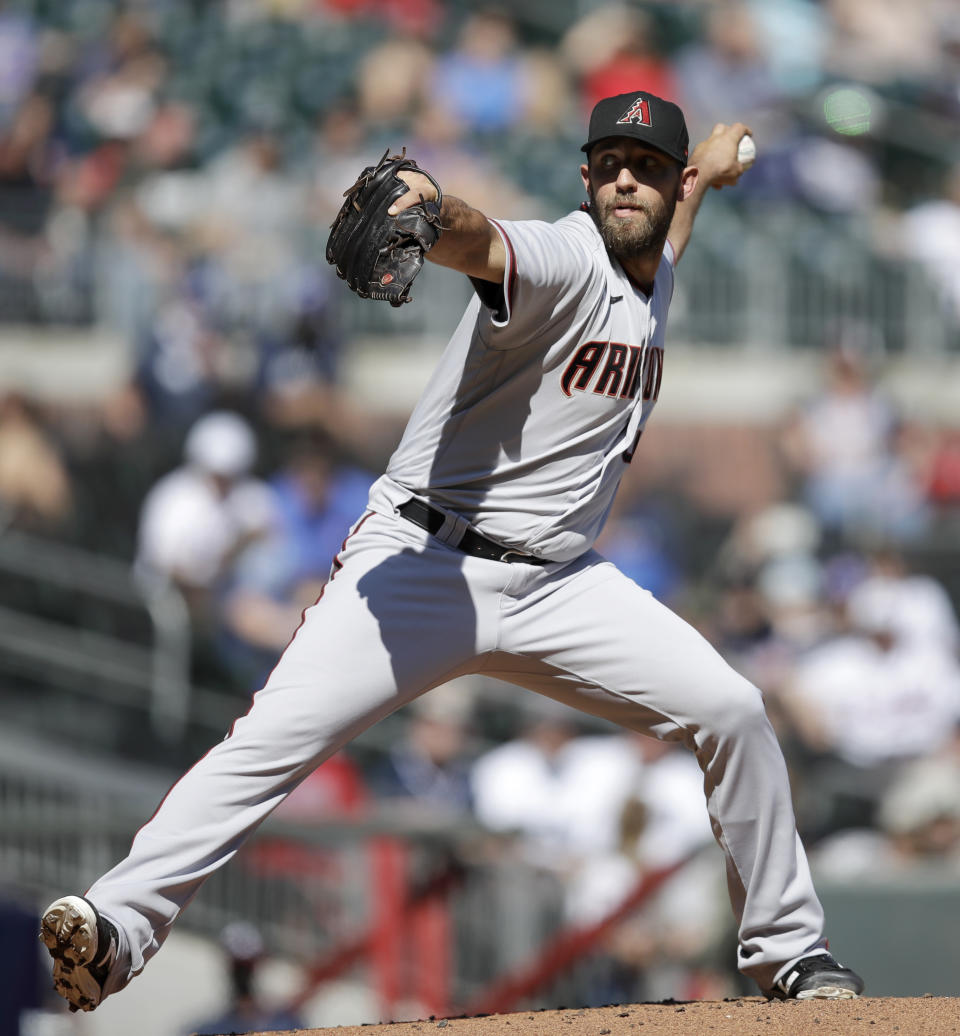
<point x="633" y="191"/>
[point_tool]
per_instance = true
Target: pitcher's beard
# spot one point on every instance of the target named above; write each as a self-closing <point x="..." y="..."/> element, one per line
<point x="632" y="238"/>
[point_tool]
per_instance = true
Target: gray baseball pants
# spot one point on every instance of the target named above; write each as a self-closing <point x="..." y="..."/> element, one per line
<point x="403" y="613"/>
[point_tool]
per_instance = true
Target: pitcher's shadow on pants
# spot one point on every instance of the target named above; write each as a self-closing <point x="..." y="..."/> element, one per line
<point x="427" y="618"/>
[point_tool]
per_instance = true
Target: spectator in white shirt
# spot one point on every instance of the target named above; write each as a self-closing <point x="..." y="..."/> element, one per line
<point x="197" y="517"/>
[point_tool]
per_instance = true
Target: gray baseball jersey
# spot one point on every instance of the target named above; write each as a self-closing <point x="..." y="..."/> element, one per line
<point x="527" y="422"/>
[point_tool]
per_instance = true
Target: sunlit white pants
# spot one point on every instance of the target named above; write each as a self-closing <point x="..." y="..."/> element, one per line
<point x="403" y="613"/>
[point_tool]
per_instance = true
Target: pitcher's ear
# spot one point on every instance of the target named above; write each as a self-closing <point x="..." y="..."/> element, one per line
<point x="688" y="181"/>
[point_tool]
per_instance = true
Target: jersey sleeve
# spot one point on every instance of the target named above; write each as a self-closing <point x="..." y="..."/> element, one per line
<point x="549" y="268"/>
<point x="665" y="271"/>
<point x="669" y="256"/>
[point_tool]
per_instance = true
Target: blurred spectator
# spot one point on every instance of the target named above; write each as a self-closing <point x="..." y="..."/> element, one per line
<point x="26" y="162"/>
<point x="782" y="530"/>
<point x="918" y="822"/>
<point x="19" y="52"/>
<point x="726" y="77"/>
<point x="871" y="700"/>
<point x="792" y="591"/>
<point x="246" y="1010"/>
<point x="168" y="190"/>
<point x="428" y="764"/>
<point x="795" y="35"/>
<point x="139" y="266"/>
<point x="765" y="623"/>
<point x="944" y="96"/>
<point x="114" y="455"/>
<point x="314" y="500"/>
<point x="35" y="490"/>
<point x="26" y="197"/>
<point x="299" y="357"/>
<point x="111" y="102"/>
<point x="393" y="81"/>
<point x="882" y="40"/>
<point x="548" y="786"/>
<point x="667" y="948"/>
<point x="548" y="105"/>
<point x="339" y="151"/>
<point x="601" y="812"/>
<point x="249" y="225"/>
<point x="481" y="82"/>
<point x="119" y="101"/>
<point x="742" y="630"/>
<point x="921" y="810"/>
<point x="442" y="144"/>
<point x="914" y="607"/>
<point x="636" y="539"/>
<point x="87" y="181"/>
<point x="843" y="445"/>
<point x="557" y="798"/>
<point x="930" y="234"/>
<point x="943" y="469"/>
<point x="772" y="586"/>
<point x="318" y="498"/>
<point x="834" y="177"/>
<point x="250" y="191"/>
<point x="660" y="819"/>
<point x="864" y="704"/>
<point x="183" y="362"/>
<point x="167" y="141"/>
<point x="198" y="517"/>
<point x="613" y="50"/>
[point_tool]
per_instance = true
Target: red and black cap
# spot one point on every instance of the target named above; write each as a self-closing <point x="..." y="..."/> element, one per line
<point x="642" y="116"/>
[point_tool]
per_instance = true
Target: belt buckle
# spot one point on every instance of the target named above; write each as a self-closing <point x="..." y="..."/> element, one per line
<point x="522" y="555"/>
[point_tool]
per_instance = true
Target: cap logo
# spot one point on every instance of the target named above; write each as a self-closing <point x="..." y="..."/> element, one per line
<point x="638" y="113"/>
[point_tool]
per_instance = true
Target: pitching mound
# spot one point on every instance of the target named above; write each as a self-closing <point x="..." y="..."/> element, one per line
<point x="750" y="1016"/>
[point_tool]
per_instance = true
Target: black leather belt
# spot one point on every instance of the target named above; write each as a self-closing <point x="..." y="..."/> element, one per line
<point x="471" y="542"/>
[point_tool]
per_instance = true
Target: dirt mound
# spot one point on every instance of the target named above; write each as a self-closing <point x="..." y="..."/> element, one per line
<point x="750" y="1016"/>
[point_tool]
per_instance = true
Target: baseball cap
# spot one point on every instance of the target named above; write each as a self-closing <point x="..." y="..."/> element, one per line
<point x="644" y="117"/>
<point x="222" y="443"/>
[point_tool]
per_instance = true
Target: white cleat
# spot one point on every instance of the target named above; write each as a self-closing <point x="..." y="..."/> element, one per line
<point x="84" y="948"/>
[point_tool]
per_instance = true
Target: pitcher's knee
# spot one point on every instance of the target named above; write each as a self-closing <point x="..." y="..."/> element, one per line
<point x="736" y="707"/>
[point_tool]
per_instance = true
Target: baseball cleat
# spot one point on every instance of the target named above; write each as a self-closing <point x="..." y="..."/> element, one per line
<point x="818" y="977"/>
<point x="84" y="948"/>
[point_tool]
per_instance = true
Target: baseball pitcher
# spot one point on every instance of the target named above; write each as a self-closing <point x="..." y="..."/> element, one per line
<point x="475" y="554"/>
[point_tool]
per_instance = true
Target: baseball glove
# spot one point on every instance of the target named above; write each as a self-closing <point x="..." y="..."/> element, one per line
<point x="379" y="255"/>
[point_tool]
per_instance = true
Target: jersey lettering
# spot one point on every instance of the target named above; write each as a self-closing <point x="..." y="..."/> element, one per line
<point x="630" y="381"/>
<point x="621" y="374"/>
<point x="609" y="381"/>
<point x="653" y="376"/>
<point x="581" y="368"/>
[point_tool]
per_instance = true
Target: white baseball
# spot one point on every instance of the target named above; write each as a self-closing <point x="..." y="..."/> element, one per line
<point x="746" y="151"/>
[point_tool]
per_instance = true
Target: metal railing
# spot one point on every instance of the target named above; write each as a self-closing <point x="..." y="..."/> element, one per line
<point x="779" y="278"/>
<point x="401" y="892"/>
<point x="66" y="649"/>
<point x="65" y="819"/>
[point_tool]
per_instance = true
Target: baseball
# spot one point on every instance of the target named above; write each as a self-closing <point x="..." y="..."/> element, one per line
<point x="746" y="151"/>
